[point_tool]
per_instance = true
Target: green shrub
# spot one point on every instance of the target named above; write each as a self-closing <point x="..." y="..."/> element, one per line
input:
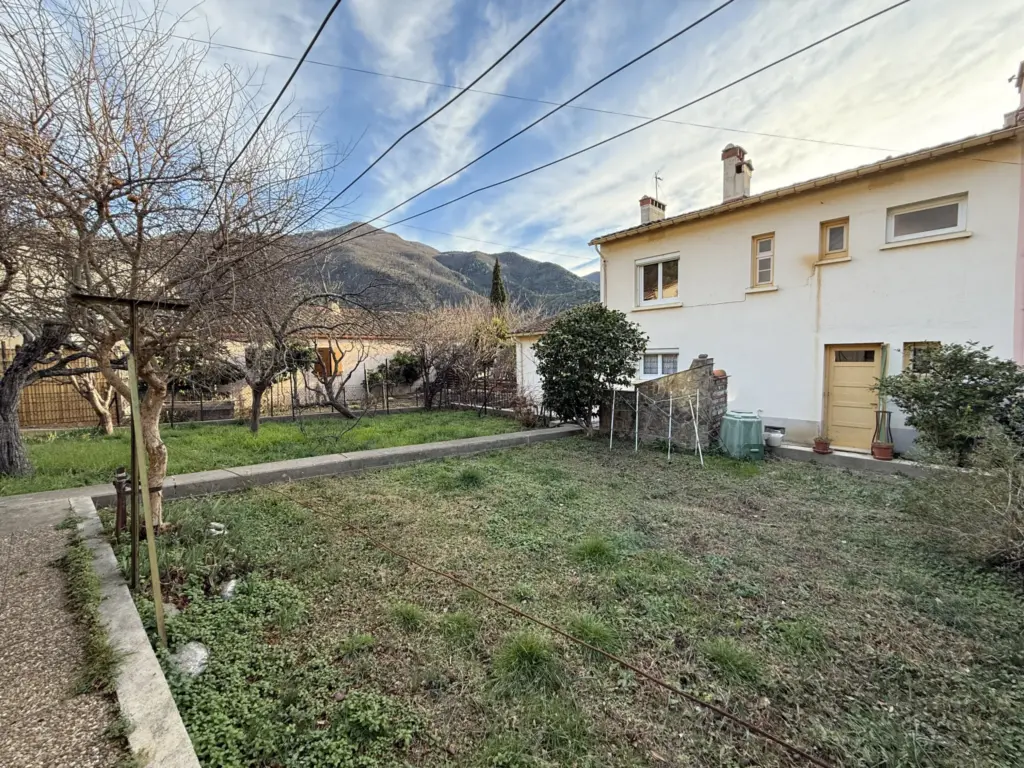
<point x="951" y="392"/>
<point x="527" y="662"/>
<point x="587" y="351"/>
<point x="470" y="478"/>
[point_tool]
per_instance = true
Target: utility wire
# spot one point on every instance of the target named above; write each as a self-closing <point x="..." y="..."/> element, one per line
<point x="252" y="136"/>
<point x="516" y="97"/>
<point x="536" y="122"/>
<point x="292" y="258"/>
<point x="444" y="106"/>
<point x="719" y="711"/>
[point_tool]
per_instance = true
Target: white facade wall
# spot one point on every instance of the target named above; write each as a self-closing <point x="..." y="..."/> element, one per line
<point x="772" y="344"/>
<point x="527" y="377"/>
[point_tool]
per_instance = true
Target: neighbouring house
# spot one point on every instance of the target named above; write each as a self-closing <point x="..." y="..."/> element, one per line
<point x="527" y="379"/>
<point x="807" y="293"/>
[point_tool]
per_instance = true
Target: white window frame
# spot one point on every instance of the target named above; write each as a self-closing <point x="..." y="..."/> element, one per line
<point x="660" y="354"/>
<point x="659" y="260"/>
<point x="828" y="226"/>
<point x="755" y="271"/>
<point x="892" y="213"/>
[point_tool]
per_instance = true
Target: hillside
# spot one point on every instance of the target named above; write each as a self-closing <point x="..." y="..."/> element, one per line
<point x="401" y="271"/>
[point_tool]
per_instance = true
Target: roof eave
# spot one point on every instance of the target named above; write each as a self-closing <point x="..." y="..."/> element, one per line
<point x="881" y="166"/>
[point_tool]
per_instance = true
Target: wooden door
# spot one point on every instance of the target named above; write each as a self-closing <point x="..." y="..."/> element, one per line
<point x="851" y="370"/>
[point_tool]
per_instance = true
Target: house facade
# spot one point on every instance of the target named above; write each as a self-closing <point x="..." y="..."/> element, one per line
<point x="808" y="293"/>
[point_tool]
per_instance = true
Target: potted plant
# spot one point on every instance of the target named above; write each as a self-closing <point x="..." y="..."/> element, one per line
<point x="881" y="450"/>
<point x="822" y="444"/>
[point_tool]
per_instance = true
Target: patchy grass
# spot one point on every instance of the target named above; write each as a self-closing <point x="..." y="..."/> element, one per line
<point x="807" y="600"/>
<point x="99" y="667"/>
<point x="409" y="617"/>
<point x="81" y="457"/>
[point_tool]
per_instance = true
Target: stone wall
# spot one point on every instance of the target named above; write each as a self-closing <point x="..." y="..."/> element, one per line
<point x="699" y="386"/>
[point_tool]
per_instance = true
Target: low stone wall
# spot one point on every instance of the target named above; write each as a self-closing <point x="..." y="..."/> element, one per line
<point x="699" y="392"/>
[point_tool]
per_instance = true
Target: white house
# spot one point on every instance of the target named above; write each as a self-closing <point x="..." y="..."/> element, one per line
<point x="805" y="294"/>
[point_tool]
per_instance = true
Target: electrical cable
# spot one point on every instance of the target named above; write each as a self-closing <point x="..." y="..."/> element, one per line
<point x="341" y="239"/>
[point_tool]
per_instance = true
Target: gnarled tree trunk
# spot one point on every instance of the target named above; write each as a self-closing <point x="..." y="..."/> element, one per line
<point x="257" y="408"/>
<point x="86" y="387"/>
<point x="18" y="375"/>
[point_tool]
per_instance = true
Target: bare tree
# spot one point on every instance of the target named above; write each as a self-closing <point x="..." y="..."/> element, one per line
<point x="100" y="399"/>
<point x="126" y="144"/>
<point x="337" y="362"/>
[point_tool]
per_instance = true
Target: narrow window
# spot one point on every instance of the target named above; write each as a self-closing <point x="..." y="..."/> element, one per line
<point x="916" y="355"/>
<point x="763" y="267"/>
<point x="834" y="238"/>
<point x="669" y="364"/>
<point x="855" y="355"/>
<point x="932" y="217"/>
<point x="650" y="365"/>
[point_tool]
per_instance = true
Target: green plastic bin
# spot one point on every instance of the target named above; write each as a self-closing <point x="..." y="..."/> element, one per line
<point x="742" y="435"/>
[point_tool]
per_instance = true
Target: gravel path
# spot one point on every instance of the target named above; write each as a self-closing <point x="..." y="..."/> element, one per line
<point x="42" y="722"/>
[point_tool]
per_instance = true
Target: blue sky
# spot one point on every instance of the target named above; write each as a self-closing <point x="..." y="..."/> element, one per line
<point x="931" y="71"/>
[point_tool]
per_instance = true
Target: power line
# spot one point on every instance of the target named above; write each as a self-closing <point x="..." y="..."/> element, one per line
<point x="720" y="89"/>
<point x="252" y="136"/>
<point x="444" y="106"/>
<point x="557" y="108"/>
<point x="517" y="97"/>
<point x="718" y="711"/>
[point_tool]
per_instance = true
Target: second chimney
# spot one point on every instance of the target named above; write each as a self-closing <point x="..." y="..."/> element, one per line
<point x="651" y="210"/>
<point x="736" y="170"/>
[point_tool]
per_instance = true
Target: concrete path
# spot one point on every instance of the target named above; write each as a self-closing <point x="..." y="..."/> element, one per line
<point x="28" y="508"/>
<point x="42" y="721"/>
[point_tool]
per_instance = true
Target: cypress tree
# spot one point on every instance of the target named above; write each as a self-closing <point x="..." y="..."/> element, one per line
<point x="499" y="296"/>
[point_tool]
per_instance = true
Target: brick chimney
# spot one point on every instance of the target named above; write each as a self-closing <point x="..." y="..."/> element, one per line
<point x="736" y="170"/>
<point x="651" y="210"/>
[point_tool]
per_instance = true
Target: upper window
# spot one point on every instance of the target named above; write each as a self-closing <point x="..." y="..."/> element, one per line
<point x="762" y="268"/>
<point x="660" y="363"/>
<point x="834" y="235"/>
<point x="658" y="281"/>
<point x="933" y="217"/>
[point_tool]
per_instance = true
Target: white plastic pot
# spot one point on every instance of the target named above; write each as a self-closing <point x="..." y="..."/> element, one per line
<point x="773" y="439"/>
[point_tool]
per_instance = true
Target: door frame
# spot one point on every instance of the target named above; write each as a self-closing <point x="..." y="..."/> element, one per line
<point x="826" y="355"/>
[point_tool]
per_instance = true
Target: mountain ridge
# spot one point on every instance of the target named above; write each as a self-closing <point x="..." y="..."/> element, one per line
<point x="390" y="266"/>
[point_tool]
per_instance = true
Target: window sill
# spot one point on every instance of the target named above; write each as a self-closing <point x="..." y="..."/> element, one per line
<point x="763" y="289"/>
<point x="666" y="305"/>
<point x="833" y="260"/>
<point x="923" y="240"/>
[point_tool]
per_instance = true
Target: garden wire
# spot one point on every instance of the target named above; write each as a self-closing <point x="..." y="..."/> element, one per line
<point x="719" y="711"/>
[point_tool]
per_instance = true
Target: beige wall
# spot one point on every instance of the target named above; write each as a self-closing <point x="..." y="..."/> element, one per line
<point x="772" y="343"/>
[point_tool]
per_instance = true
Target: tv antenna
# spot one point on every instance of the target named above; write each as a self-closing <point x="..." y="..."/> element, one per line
<point x="657" y="178"/>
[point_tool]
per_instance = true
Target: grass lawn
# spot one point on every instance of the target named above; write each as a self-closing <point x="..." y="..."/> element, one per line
<point x="81" y="457"/>
<point x="799" y="597"/>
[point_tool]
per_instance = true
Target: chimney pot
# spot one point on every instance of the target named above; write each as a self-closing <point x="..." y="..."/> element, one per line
<point x="651" y="210"/>
<point x="736" y="170"/>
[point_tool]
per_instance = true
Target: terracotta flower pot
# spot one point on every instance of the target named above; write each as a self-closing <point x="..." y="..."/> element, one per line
<point x="882" y="451"/>
<point x="822" y="446"/>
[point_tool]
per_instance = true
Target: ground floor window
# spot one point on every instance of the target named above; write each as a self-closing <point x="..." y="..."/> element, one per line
<point x="660" y="363"/>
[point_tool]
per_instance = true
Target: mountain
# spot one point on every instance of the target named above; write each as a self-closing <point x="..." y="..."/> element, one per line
<point x="593" y="277"/>
<point x="399" y="270"/>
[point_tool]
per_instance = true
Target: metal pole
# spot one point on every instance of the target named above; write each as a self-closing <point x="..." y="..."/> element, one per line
<point x="696" y="434"/>
<point x="202" y="415"/>
<point x="387" y="379"/>
<point x="366" y="384"/>
<point x="170" y="416"/>
<point x="611" y="424"/>
<point x="696" y="419"/>
<point x="134" y="507"/>
<point x="636" y="423"/>
<point x="295" y="391"/>
<point x="670" y="428"/>
<point x="154" y="568"/>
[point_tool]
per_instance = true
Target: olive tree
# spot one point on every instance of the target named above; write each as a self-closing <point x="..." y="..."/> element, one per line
<point x="587" y="352"/>
<point x="127" y="146"/>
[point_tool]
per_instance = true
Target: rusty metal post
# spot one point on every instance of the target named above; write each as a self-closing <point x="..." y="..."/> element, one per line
<point x="121" y="515"/>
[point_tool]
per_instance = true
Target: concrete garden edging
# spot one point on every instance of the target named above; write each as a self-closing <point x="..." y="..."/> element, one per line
<point x="157" y="736"/>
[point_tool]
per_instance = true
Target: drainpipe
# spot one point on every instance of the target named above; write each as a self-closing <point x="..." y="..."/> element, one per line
<point x="602" y="264"/>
